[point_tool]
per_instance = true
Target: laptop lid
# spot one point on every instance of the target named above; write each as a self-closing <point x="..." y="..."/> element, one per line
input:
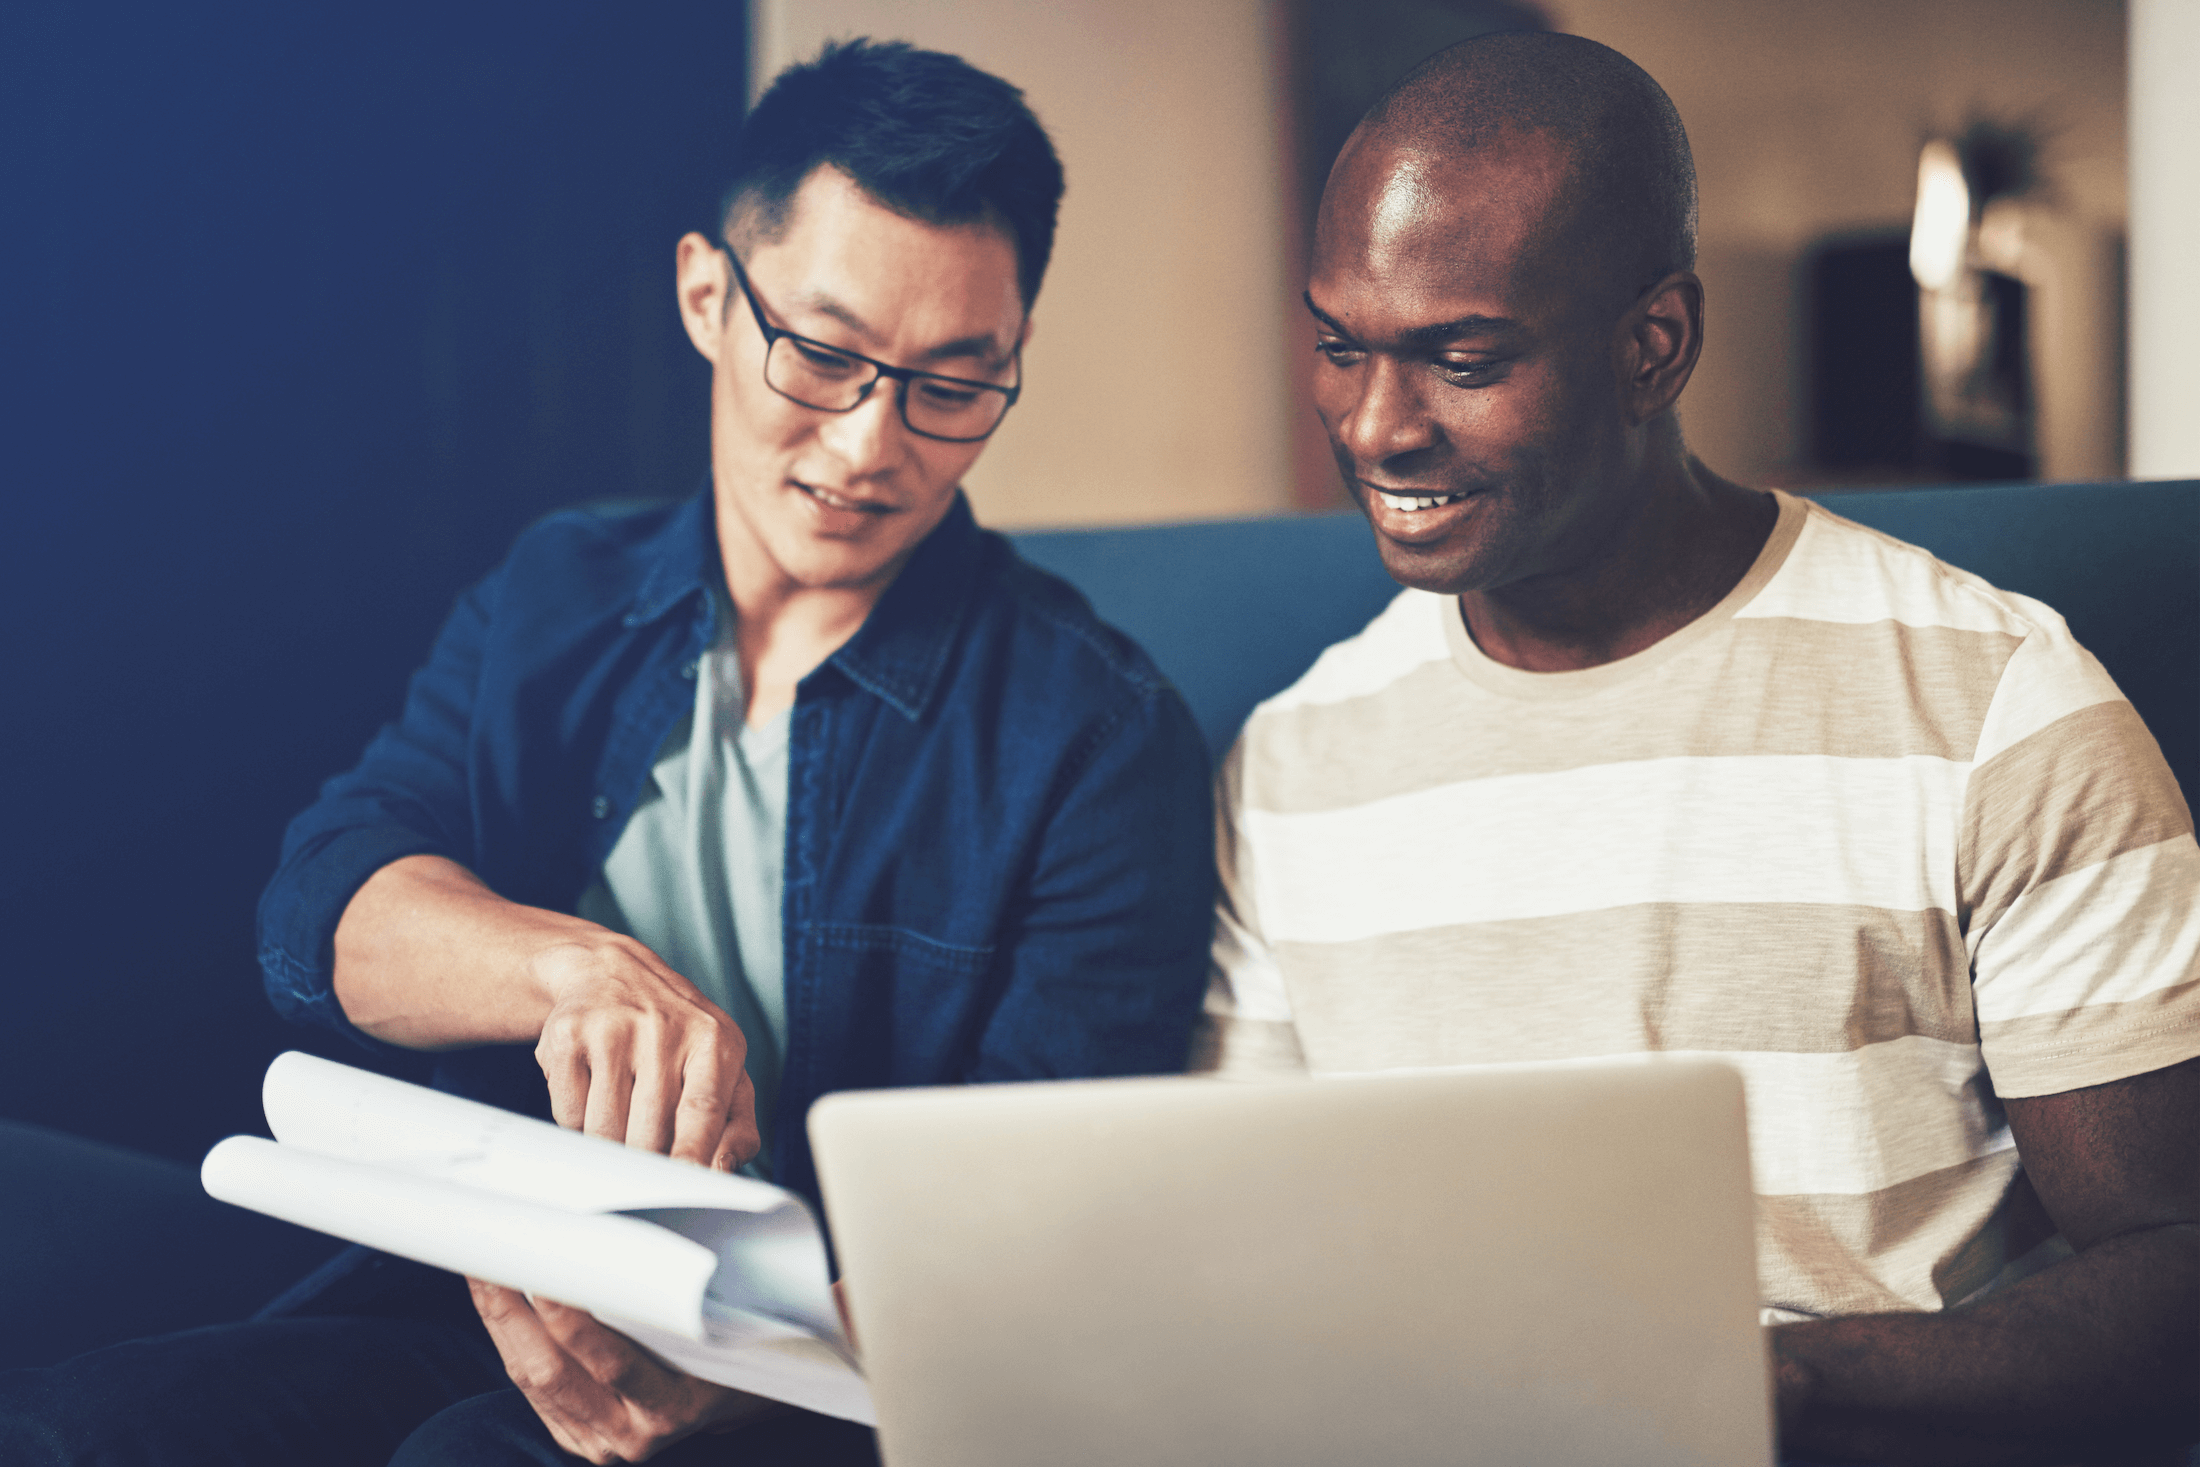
<point x="1520" y="1264"/>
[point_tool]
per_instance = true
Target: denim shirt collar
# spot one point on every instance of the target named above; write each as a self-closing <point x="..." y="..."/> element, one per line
<point x="678" y="561"/>
<point x="898" y="654"/>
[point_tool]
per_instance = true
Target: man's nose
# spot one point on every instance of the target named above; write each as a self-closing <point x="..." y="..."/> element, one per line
<point x="1388" y="418"/>
<point x="869" y="436"/>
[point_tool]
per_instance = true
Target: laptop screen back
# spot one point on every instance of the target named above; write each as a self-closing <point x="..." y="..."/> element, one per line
<point x="1534" y="1264"/>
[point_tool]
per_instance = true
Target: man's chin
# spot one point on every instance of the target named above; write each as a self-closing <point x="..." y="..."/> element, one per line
<point x="838" y="566"/>
<point x="1444" y="548"/>
<point x="1443" y="568"/>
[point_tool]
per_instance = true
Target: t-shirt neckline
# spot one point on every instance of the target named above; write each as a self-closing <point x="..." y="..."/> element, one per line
<point x="1515" y="682"/>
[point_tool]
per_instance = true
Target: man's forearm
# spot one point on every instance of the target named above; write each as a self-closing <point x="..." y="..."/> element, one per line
<point x="430" y="958"/>
<point x="2096" y="1356"/>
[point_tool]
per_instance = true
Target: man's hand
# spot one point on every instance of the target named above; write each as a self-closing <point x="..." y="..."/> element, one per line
<point x="2093" y="1357"/>
<point x="634" y="1052"/>
<point x="602" y="1396"/>
<point x="430" y="958"/>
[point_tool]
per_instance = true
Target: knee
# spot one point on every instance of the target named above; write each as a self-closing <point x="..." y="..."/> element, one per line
<point x="44" y="1422"/>
<point x="498" y="1429"/>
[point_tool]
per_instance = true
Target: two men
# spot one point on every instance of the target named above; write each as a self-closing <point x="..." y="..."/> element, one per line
<point x="1648" y="761"/>
<point x="697" y="813"/>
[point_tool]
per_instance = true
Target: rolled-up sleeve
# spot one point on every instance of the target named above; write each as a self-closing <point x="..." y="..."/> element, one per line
<point x="407" y="796"/>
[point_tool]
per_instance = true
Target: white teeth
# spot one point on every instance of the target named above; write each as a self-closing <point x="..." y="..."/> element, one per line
<point x="1412" y="502"/>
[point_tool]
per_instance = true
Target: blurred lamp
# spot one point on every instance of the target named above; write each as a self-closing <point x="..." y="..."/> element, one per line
<point x="1940" y="236"/>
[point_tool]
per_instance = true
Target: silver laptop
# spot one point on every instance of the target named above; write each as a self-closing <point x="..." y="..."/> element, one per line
<point x="1534" y="1264"/>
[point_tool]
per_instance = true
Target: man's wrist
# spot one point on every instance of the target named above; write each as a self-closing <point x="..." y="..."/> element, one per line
<point x="1795" y="1386"/>
<point x="567" y="958"/>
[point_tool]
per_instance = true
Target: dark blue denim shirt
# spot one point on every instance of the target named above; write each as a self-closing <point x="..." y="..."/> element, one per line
<point x="999" y="862"/>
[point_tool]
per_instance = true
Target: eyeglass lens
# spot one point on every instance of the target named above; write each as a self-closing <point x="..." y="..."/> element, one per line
<point x="835" y="383"/>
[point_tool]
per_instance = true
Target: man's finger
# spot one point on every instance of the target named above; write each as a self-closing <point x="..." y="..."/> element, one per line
<point x="610" y="1083"/>
<point x="658" y="1403"/>
<point x="725" y="1155"/>
<point x="738" y="1138"/>
<point x="493" y="1301"/>
<point x="576" y="1442"/>
<point x="610" y="1358"/>
<point x="649" y="1104"/>
<point x="707" y="1090"/>
<point x="532" y="1354"/>
<point x="565" y="1069"/>
<point x="580" y="1412"/>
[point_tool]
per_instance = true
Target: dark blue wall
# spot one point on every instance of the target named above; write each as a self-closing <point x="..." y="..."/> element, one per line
<point x="307" y="310"/>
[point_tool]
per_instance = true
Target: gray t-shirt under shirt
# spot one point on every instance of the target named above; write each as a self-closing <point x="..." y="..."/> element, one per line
<point x="696" y="875"/>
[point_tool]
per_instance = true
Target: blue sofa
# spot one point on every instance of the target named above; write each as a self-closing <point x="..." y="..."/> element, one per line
<point x="1233" y="611"/>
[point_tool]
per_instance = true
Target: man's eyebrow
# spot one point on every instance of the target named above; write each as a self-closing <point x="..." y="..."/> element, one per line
<point x="1443" y="331"/>
<point x="1321" y="315"/>
<point x="983" y="347"/>
<point x="825" y="305"/>
<point x="1433" y="334"/>
<point x="980" y="346"/>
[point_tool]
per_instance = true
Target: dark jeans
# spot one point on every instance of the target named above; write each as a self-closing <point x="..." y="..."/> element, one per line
<point x="99" y="1244"/>
<point x="386" y="1358"/>
<point x="338" y="1392"/>
<point x="502" y="1428"/>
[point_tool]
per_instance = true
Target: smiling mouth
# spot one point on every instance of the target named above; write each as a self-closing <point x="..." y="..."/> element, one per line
<point x="1409" y="503"/>
<point x="831" y="500"/>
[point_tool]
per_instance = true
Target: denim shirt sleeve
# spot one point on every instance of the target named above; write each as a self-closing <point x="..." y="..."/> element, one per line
<point x="1107" y="962"/>
<point x="407" y="796"/>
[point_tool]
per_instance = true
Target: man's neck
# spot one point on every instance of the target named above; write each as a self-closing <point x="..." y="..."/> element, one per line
<point x="1693" y="540"/>
<point x="783" y="631"/>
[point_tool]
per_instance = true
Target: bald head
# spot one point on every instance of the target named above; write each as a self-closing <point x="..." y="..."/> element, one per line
<point x="1505" y="311"/>
<point x="1629" y="191"/>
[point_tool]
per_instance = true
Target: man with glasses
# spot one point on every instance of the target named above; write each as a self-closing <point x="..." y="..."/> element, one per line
<point x="698" y="813"/>
<point x="835" y="380"/>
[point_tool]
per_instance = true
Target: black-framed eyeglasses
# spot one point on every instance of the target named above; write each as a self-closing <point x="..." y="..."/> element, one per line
<point x="833" y="379"/>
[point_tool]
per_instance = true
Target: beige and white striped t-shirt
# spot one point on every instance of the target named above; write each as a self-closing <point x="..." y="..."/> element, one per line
<point x="1882" y="836"/>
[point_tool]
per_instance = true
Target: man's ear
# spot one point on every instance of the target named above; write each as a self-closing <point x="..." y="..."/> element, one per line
<point x="1657" y="344"/>
<point x="702" y="281"/>
<point x="1023" y="338"/>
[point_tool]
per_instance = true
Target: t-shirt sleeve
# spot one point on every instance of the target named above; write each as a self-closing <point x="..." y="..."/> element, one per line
<point x="2079" y="880"/>
<point x="1246" y="1030"/>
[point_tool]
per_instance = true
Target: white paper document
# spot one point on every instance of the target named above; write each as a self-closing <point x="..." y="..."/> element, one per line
<point x="722" y="1276"/>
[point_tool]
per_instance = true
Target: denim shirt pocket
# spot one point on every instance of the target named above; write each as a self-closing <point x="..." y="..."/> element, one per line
<point x="911" y="1005"/>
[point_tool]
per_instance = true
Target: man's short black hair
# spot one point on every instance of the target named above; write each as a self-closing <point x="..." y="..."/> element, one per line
<point x="924" y="133"/>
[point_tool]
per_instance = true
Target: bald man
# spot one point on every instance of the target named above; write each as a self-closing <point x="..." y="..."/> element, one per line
<point x="1644" y="760"/>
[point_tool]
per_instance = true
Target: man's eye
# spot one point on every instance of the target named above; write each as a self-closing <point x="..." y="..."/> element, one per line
<point x="1339" y="354"/>
<point x="823" y="360"/>
<point x="946" y="395"/>
<point x="1467" y="373"/>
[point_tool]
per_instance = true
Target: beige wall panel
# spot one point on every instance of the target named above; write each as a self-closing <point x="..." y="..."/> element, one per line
<point x="1742" y="406"/>
<point x="2165" y="238"/>
<point x="1806" y="118"/>
<point x="1156" y="384"/>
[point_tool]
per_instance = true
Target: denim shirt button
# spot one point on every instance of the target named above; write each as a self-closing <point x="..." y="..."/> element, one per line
<point x="688" y="671"/>
<point x="602" y="807"/>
